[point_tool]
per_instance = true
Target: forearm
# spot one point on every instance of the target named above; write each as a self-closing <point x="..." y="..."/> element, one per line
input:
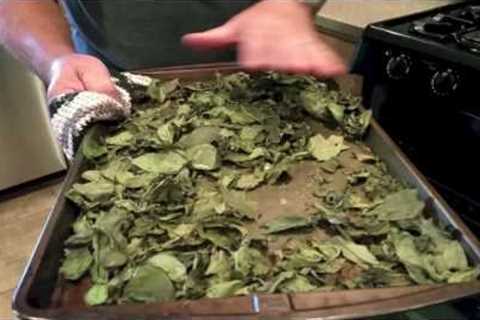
<point x="35" y="32"/>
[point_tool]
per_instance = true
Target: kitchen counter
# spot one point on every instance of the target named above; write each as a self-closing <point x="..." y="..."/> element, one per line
<point x="346" y="19"/>
<point x="21" y="221"/>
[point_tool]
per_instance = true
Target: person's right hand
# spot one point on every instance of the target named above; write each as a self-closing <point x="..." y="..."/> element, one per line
<point x="79" y="72"/>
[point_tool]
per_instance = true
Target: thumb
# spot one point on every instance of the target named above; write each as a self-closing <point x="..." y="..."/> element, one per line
<point x="216" y="38"/>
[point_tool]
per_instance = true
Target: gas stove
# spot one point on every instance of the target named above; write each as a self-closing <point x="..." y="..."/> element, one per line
<point x="457" y="27"/>
<point x="422" y="81"/>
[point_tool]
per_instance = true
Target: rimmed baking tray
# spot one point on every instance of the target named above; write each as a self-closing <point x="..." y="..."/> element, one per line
<point x="39" y="294"/>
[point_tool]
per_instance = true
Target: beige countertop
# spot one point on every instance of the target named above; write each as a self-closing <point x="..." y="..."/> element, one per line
<point x="348" y="18"/>
<point x="21" y="221"/>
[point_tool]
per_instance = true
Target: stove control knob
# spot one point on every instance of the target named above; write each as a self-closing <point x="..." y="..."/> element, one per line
<point x="399" y="67"/>
<point x="444" y="82"/>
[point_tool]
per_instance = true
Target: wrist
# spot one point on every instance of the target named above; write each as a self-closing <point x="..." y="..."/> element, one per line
<point x="46" y="66"/>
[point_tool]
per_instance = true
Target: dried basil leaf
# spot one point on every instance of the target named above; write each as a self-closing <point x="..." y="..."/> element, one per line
<point x="203" y="157"/>
<point x="173" y="267"/>
<point x="325" y="149"/>
<point x="166" y="210"/>
<point x="149" y="284"/>
<point x="97" y="294"/>
<point x="169" y="162"/>
<point x="76" y="263"/>
<point x="224" y="289"/>
<point x="285" y="223"/>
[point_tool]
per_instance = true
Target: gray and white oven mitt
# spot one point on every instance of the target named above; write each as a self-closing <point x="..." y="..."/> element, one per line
<point x="72" y="113"/>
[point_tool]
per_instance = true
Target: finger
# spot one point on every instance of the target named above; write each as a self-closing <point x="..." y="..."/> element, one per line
<point x="326" y="62"/>
<point x="64" y="82"/>
<point x="216" y="38"/>
<point x="97" y="78"/>
<point x="294" y="60"/>
<point x="255" y="55"/>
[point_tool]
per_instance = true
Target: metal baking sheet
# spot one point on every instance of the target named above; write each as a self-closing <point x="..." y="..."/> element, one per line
<point x="41" y="294"/>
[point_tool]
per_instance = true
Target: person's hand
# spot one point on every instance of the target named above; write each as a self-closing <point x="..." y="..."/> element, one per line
<point x="79" y="72"/>
<point x="273" y="35"/>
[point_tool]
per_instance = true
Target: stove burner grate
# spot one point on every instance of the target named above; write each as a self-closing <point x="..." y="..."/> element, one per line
<point x="461" y="27"/>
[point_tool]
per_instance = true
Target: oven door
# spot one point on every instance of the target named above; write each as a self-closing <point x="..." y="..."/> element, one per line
<point x="441" y="135"/>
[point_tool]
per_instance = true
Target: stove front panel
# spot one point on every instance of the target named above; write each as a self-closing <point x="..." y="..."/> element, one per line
<point x="431" y="108"/>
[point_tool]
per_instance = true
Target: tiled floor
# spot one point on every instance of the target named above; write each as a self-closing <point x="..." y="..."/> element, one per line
<point x="21" y="220"/>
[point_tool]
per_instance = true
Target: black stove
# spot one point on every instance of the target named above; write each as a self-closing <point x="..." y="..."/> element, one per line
<point x="457" y="27"/>
<point x="422" y="81"/>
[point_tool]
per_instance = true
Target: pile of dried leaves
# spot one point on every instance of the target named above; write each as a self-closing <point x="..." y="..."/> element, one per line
<point x="197" y="195"/>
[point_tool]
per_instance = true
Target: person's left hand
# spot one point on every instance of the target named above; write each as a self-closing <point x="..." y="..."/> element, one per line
<point x="273" y="35"/>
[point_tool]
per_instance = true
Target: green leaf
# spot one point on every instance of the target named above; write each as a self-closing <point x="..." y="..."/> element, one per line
<point x="202" y="135"/>
<point x="166" y="133"/>
<point x="249" y="181"/>
<point x="325" y="149"/>
<point x="169" y="162"/>
<point x="279" y="279"/>
<point x="161" y="90"/>
<point x="224" y="289"/>
<point x="240" y="157"/>
<point x="285" y="223"/>
<point x="250" y="261"/>
<point x="297" y="284"/>
<point x="337" y="111"/>
<point x="94" y="191"/>
<point x="220" y="265"/>
<point x="357" y="253"/>
<point x="92" y="175"/>
<point x="149" y="284"/>
<point x="203" y="157"/>
<point x="76" y="263"/>
<point x="123" y="138"/>
<point x="468" y="275"/>
<point x="91" y="146"/>
<point x="83" y="232"/>
<point x="96" y="295"/>
<point x="173" y="267"/>
<point x="221" y="238"/>
<point x="404" y="204"/>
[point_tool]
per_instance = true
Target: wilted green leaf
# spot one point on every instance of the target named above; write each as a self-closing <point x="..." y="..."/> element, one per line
<point x="285" y="223"/>
<point x="401" y="205"/>
<point x="175" y="269"/>
<point x="94" y="191"/>
<point x="149" y="284"/>
<point x="123" y="138"/>
<point x="297" y="284"/>
<point x="166" y="133"/>
<point x="169" y="162"/>
<point x="160" y="90"/>
<point x="76" y="263"/>
<point x="325" y="149"/>
<point x="357" y="253"/>
<point x="249" y="181"/>
<point x="97" y="294"/>
<point x="250" y="261"/>
<point x="224" y="289"/>
<point x="203" y="157"/>
<point x="202" y="135"/>
<point x="91" y="146"/>
<point x="161" y="216"/>
<point x="220" y="265"/>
